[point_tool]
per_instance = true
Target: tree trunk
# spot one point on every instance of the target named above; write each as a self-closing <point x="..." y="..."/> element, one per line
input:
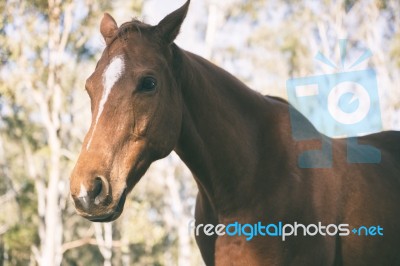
<point x="50" y="104"/>
<point x="104" y="238"/>
<point x="178" y="220"/>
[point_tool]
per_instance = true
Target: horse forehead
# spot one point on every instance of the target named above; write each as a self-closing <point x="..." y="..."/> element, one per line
<point x="113" y="71"/>
<point x="111" y="74"/>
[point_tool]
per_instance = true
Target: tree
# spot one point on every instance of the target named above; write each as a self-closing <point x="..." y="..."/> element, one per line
<point x="49" y="47"/>
<point x="39" y="39"/>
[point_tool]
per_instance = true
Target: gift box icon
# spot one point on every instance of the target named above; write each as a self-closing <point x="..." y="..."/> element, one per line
<point x="343" y="104"/>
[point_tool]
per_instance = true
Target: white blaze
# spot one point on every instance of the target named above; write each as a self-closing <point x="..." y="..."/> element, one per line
<point x="111" y="75"/>
<point x="82" y="192"/>
<point x="82" y="197"/>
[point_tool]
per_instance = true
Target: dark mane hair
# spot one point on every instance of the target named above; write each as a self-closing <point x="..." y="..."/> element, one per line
<point x="134" y="25"/>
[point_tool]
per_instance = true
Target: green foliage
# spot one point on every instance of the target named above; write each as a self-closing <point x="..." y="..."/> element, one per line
<point x="395" y="49"/>
<point x="23" y="235"/>
<point x="85" y="255"/>
<point x="146" y="234"/>
<point x="296" y="52"/>
<point x="18" y="242"/>
<point x="38" y="5"/>
<point x="136" y="6"/>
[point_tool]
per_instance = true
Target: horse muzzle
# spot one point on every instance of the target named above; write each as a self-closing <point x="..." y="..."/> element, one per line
<point x="97" y="203"/>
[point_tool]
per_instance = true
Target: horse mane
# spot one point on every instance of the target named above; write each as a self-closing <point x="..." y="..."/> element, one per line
<point x="279" y="99"/>
<point x="134" y="25"/>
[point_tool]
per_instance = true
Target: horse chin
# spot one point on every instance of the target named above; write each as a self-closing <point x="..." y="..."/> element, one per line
<point x="112" y="215"/>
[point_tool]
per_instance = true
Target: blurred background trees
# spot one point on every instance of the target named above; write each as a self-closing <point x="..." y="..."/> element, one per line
<point x="48" y="49"/>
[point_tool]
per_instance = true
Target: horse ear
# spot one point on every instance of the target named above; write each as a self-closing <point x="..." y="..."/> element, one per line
<point x="108" y="27"/>
<point x="169" y="27"/>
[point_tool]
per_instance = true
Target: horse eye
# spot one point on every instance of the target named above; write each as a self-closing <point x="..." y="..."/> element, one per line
<point x="147" y="84"/>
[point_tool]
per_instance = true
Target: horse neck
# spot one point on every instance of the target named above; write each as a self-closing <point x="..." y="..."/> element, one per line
<point x="227" y="131"/>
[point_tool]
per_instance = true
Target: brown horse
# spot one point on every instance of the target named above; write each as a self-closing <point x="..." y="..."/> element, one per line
<point x="149" y="97"/>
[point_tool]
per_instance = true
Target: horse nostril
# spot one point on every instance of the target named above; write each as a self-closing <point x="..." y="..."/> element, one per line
<point x="98" y="185"/>
<point x="97" y="194"/>
<point x="100" y="190"/>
